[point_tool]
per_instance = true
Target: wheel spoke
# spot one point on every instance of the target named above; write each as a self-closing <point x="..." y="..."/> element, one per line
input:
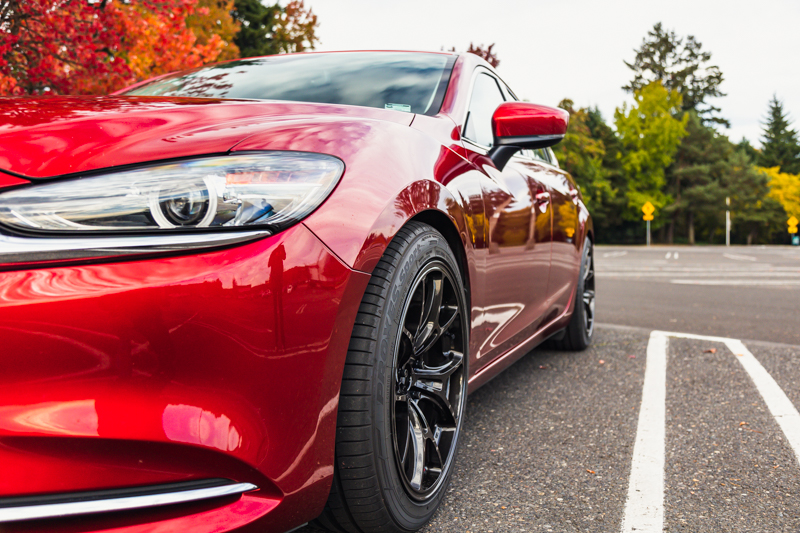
<point x="588" y="297"/>
<point x="418" y="427"/>
<point x="407" y="445"/>
<point x="428" y="330"/>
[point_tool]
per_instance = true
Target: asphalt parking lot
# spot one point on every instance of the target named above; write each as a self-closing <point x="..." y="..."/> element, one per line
<point x="646" y="431"/>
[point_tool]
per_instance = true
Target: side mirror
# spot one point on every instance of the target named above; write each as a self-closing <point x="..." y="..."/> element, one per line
<point x="518" y="125"/>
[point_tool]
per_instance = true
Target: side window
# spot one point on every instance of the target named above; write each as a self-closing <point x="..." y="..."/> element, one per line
<point x="541" y="153"/>
<point x="553" y="160"/>
<point x="486" y="96"/>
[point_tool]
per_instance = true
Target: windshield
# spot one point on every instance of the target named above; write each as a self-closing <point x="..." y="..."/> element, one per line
<point x="403" y="81"/>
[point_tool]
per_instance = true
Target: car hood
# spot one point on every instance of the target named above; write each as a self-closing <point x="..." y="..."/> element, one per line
<point x="46" y="137"/>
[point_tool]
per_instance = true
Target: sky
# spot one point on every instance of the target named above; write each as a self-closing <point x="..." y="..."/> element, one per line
<point x="550" y="50"/>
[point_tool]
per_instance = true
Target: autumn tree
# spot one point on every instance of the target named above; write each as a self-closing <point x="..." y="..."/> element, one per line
<point x="785" y="188"/>
<point x="780" y="145"/>
<point x="268" y="30"/>
<point x="55" y="46"/>
<point x="486" y="53"/>
<point x="213" y="18"/>
<point x="649" y="135"/>
<point x="682" y="65"/>
<point x="83" y="47"/>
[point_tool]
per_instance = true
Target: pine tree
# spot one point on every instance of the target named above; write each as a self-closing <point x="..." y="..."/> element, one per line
<point x="700" y="164"/>
<point x="780" y="145"/>
<point x="268" y="30"/>
<point x="679" y="64"/>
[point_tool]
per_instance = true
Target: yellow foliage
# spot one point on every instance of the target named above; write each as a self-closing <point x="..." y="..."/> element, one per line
<point x="785" y="188"/>
<point x="213" y="17"/>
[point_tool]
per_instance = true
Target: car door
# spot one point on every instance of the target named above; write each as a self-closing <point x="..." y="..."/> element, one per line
<point x="515" y="265"/>
<point x="566" y="255"/>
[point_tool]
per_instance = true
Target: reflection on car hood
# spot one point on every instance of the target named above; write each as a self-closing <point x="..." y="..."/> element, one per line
<point x="43" y="137"/>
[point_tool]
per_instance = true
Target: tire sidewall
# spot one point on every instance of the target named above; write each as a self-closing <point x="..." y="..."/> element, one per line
<point x="425" y="247"/>
<point x="580" y="311"/>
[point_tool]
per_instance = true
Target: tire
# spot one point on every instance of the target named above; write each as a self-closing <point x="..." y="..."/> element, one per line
<point x="403" y="391"/>
<point x="578" y="333"/>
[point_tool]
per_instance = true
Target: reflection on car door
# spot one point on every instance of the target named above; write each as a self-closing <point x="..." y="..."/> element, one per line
<point x="566" y="256"/>
<point x="515" y="264"/>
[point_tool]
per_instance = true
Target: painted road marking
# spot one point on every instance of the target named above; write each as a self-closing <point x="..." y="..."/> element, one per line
<point x="669" y="254"/>
<point x="738" y="257"/>
<point x="778" y="403"/>
<point x="644" y="509"/>
<point x="614" y="254"/>
<point x="738" y="282"/>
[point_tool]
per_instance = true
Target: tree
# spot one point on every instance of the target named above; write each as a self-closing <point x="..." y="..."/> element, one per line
<point x="679" y="64"/>
<point x="485" y="53"/>
<point x="95" y="47"/>
<point x="269" y="30"/>
<point x="582" y="155"/>
<point x="696" y="178"/>
<point x="213" y="17"/>
<point x="785" y="188"/>
<point x="745" y="146"/>
<point x="754" y="213"/>
<point x="649" y="135"/>
<point x="52" y="47"/>
<point x="780" y="145"/>
<point x="159" y="41"/>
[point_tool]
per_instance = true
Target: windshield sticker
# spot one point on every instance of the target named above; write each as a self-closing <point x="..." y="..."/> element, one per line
<point x="399" y="107"/>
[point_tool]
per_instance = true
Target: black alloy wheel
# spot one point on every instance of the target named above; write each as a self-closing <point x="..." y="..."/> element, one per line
<point x="403" y="392"/>
<point x="587" y="271"/>
<point x="429" y="378"/>
<point x="578" y="333"/>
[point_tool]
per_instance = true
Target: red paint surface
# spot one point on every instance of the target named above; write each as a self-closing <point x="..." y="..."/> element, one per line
<point x="10" y="181"/>
<point x="521" y="119"/>
<point x="228" y="364"/>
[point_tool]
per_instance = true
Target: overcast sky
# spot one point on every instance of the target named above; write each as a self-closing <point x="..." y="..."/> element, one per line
<point x="549" y="50"/>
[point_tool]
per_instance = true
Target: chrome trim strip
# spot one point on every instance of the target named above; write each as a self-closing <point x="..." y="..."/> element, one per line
<point x="14" y="249"/>
<point x="56" y="510"/>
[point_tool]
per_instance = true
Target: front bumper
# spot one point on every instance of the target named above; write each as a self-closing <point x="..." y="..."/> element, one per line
<point x="219" y="365"/>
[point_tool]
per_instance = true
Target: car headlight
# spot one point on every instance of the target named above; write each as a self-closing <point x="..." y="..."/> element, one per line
<point x="259" y="190"/>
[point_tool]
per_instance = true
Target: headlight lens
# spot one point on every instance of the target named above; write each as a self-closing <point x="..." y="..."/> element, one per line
<point x="270" y="190"/>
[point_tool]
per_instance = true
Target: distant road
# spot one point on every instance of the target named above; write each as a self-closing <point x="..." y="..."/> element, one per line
<point x="746" y="292"/>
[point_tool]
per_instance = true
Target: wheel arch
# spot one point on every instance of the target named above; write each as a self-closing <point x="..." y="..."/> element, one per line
<point x="444" y="225"/>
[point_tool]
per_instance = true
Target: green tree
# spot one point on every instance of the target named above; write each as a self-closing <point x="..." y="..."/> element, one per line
<point x="755" y="215"/>
<point x="582" y="156"/>
<point x="649" y="136"/>
<point x="268" y="30"/>
<point x="679" y="64"/>
<point x="745" y="146"/>
<point x="780" y="146"/>
<point x="696" y="178"/>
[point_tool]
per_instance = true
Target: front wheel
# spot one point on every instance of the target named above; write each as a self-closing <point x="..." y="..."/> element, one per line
<point x="403" y="392"/>
<point x="579" y="332"/>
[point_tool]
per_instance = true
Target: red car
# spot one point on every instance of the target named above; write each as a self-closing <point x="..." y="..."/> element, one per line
<point x="256" y="294"/>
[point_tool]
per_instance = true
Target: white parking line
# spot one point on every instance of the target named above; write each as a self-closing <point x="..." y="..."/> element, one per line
<point x="778" y="403"/>
<point x="644" y="510"/>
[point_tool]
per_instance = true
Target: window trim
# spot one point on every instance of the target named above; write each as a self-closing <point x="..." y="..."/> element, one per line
<point x="480" y="69"/>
